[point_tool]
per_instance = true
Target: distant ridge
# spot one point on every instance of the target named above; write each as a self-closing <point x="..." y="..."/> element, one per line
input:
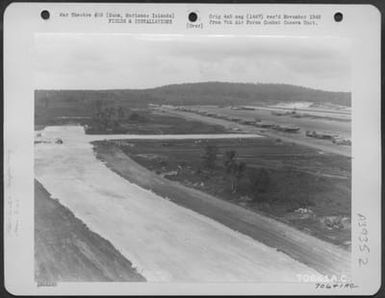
<point x="209" y="93"/>
<point x="247" y="93"/>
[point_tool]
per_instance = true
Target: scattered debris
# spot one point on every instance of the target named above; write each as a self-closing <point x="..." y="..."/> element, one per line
<point x="304" y="210"/>
<point x="245" y="199"/>
<point x="301" y="213"/>
<point x="304" y="213"/>
<point x="336" y="139"/>
<point x="347" y="243"/>
<point x="338" y="222"/>
<point x="131" y="145"/>
<point x="169" y="174"/>
<point x="342" y="141"/>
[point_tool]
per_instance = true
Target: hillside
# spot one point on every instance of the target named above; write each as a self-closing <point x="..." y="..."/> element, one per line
<point x="51" y="104"/>
<point x="245" y="93"/>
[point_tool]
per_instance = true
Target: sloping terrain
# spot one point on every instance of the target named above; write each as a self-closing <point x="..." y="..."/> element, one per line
<point x="244" y="93"/>
<point x="66" y="250"/>
<point x="53" y="104"/>
<point x="326" y="258"/>
<point x="278" y="178"/>
<point x="165" y="241"/>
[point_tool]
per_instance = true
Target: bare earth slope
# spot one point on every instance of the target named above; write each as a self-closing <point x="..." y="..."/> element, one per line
<point x="66" y="250"/>
<point x="165" y="241"/>
<point x="326" y="258"/>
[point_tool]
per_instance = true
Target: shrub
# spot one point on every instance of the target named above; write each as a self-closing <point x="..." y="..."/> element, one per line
<point x="259" y="181"/>
<point x="210" y="156"/>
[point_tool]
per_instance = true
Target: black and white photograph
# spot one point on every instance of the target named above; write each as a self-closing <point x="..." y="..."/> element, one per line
<point x="191" y="159"/>
<point x="192" y="149"/>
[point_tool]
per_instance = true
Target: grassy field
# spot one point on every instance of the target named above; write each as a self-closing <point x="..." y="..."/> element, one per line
<point x="152" y="122"/>
<point x="66" y="250"/>
<point x="135" y="121"/>
<point x="298" y="177"/>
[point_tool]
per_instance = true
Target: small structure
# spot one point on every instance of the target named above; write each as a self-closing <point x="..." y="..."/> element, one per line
<point x="342" y="141"/>
<point x="264" y="124"/>
<point x="320" y="135"/>
<point x="290" y="129"/>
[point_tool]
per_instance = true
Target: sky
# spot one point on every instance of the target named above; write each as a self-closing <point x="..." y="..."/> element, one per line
<point x="123" y="61"/>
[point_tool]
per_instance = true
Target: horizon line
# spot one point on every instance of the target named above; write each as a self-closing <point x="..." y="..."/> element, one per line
<point x="192" y="83"/>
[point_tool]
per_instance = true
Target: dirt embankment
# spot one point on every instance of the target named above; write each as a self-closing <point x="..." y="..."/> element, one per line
<point x="66" y="250"/>
<point x="299" y="186"/>
<point x="324" y="257"/>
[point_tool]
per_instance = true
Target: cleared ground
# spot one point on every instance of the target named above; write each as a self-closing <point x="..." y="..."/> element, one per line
<point x="342" y="128"/>
<point x="322" y="256"/>
<point x="298" y="177"/>
<point x="66" y="250"/>
<point x="165" y="241"/>
<point x="332" y="122"/>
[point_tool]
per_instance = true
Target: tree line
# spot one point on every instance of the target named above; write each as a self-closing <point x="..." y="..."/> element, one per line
<point x="113" y="116"/>
<point x="235" y="170"/>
